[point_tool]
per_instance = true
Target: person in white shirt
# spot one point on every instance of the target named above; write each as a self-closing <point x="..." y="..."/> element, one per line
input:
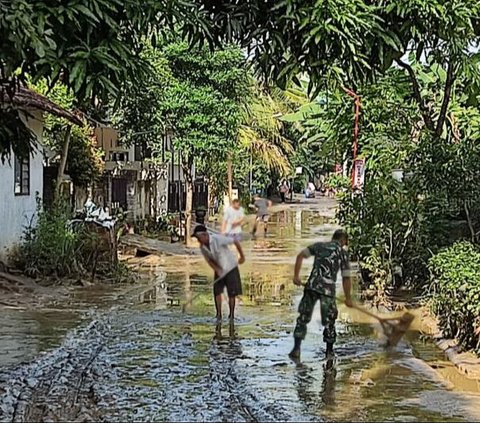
<point x="217" y="253"/>
<point x="233" y="218"/>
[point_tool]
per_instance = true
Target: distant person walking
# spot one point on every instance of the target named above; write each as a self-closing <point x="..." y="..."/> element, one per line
<point x="261" y="205"/>
<point x="216" y="250"/>
<point x="284" y="189"/>
<point x="322" y="184"/>
<point x="233" y="218"/>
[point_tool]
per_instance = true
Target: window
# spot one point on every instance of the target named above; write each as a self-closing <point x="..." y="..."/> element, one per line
<point x="22" y="175"/>
<point x="119" y="156"/>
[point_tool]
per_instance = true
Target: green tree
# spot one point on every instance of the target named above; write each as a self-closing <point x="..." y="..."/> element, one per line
<point x="262" y="133"/>
<point x="204" y="107"/>
<point x="92" y="46"/>
<point x="72" y="145"/>
<point x="196" y="93"/>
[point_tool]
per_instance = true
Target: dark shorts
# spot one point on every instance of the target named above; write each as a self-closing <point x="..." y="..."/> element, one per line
<point x="231" y="281"/>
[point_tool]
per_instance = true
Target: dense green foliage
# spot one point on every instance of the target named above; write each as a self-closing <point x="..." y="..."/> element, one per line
<point x="216" y="111"/>
<point x="84" y="164"/>
<point x="396" y="226"/>
<point x="455" y="293"/>
<point x="54" y="247"/>
<point x="50" y="247"/>
<point x="204" y="103"/>
<point x="194" y="95"/>
<point x="92" y="46"/>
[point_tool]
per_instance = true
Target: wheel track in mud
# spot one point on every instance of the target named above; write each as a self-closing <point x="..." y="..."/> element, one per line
<point x="212" y="390"/>
<point x="87" y="377"/>
<point x="59" y="385"/>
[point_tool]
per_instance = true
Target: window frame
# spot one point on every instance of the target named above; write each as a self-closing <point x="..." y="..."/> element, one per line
<point x="22" y="170"/>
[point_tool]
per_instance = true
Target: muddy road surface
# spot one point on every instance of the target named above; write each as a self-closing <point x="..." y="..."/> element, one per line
<point x="135" y="353"/>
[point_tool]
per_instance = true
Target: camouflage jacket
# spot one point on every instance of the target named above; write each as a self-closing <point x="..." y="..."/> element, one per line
<point x="329" y="259"/>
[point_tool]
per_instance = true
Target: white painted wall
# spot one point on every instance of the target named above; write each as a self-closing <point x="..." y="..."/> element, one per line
<point x="17" y="211"/>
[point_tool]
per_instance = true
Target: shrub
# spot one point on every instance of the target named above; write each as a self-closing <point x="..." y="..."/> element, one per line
<point x="455" y="287"/>
<point x="164" y="225"/>
<point x="337" y="182"/>
<point x="50" y="247"/>
<point x="55" y="247"/>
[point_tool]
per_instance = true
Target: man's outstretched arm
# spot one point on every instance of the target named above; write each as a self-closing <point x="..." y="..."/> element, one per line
<point x="216" y="268"/>
<point x="298" y="266"/>
<point x="347" y="289"/>
<point x="240" y="251"/>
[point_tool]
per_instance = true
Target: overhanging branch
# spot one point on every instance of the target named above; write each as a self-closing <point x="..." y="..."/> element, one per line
<point x="418" y="95"/>
<point x="446" y="97"/>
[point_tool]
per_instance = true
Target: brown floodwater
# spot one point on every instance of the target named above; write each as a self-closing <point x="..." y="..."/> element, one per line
<point x="179" y="365"/>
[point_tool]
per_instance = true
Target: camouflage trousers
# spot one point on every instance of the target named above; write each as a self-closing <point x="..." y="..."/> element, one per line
<point x="329" y="313"/>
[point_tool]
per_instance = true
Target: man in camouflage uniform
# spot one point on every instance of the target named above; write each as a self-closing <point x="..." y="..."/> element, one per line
<point x="330" y="257"/>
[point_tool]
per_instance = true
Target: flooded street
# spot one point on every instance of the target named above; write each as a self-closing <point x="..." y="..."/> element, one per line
<point x="139" y="356"/>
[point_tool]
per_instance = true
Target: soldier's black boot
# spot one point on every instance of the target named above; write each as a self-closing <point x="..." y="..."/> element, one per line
<point x="295" y="353"/>
<point x="329" y="352"/>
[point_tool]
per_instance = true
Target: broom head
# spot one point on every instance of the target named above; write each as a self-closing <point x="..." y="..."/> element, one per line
<point x="395" y="328"/>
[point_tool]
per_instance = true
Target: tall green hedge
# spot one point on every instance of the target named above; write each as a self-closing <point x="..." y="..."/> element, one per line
<point x="455" y="284"/>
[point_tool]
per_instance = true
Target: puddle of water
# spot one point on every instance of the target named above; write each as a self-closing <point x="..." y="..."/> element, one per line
<point x="27" y="333"/>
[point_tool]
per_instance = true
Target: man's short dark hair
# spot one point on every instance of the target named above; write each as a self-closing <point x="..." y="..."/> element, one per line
<point x="340" y="235"/>
<point x="199" y="229"/>
<point x="235" y="200"/>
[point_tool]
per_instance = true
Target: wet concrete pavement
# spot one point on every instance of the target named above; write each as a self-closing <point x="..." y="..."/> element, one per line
<point x="144" y="359"/>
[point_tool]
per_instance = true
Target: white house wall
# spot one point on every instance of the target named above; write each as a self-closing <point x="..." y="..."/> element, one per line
<point x="16" y="212"/>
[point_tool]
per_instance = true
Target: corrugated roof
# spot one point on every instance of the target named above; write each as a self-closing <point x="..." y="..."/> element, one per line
<point x="25" y="98"/>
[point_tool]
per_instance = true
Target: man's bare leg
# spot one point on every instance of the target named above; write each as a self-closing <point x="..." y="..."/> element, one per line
<point x="255" y="226"/>
<point x="218" y="306"/>
<point x="231" y="305"/>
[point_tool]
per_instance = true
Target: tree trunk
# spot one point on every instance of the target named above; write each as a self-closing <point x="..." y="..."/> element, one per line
<point x="188" y="210"/>
<point x="230" y="178"/>
<point x="446" y="97"/>
<point x="187" y="167"/>
<point x="417" y="94"/>
<point x="63" y="162"/>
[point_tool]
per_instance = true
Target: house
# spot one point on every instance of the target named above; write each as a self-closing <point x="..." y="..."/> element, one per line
<point x="22" y="178"/>
<point x="134" y="184"/>
<point x="130" y="182"/>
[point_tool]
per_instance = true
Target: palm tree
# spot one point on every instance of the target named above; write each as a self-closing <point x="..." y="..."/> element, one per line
<point x="262" y="132"/>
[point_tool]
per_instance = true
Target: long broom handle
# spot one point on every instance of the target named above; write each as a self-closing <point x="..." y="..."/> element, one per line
<point x="189" y="302"/>
<point x="367" y="312"/>
<point x="364" y="310"/>
<point x="382" y="320"/>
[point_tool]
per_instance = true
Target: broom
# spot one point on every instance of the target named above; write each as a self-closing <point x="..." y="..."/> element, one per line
<point x="394" y="327"/>
<point x="194" y="298"/>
